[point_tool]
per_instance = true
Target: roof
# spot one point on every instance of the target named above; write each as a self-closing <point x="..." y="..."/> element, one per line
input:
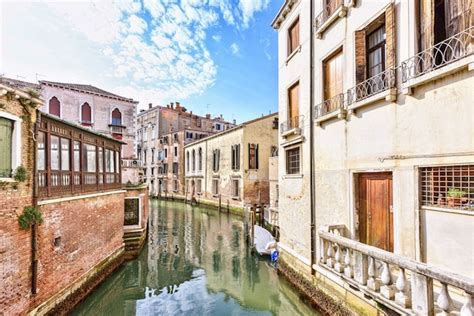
<point x="282" y="13"/>
<point x="242" y="125"/>
<point x="86" y="88"/>
<point x="20" y="84"/>
<point x="85" y="129"/>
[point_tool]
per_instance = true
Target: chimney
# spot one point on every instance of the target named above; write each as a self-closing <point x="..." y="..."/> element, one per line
<point x="168" y="106"/>
<point x="150" y="105"/>
<point x="208" y="116"/>
<point x="172" y="105"/>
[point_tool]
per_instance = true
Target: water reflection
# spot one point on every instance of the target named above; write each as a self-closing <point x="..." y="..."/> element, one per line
<point x="195" y="263"/>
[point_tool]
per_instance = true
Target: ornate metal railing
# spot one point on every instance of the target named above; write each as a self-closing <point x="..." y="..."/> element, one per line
<point x="292" y="123"/>
<point x="329" y="9"/>
<point x="378" y="83"/>
<point x="400" y="283"/>
<point x="439" y="55"/>
<point x="330" y="105"/>
<point x="117" y="129"/>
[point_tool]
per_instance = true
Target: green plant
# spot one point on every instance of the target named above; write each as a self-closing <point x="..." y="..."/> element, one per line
<point x="456" y="193"/>
<point x="21" y="174"/>
<point x="31" y="215"/>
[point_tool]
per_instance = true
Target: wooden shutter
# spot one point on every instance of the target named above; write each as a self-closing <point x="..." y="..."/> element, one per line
<point x="6" y="129"/>
<point x="333" y="75"/>
<point x="390" y="37"/>
<point x="426" y="24"/>
<point x="54" y="107"/>
<point x="360" y="58"/>
<point x="293" y="102"/>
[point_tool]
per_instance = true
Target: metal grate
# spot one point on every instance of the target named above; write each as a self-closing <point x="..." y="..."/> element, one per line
<point x="448" y="187"/>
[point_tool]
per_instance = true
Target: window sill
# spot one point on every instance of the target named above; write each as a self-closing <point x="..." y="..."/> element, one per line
<point x="215" y="195"/>
<point x="236" y="198"/>
<point x="389" y="95"/>
<point x="9" y="180"/>
<point x="293" y="131"/>
<point x="292" y="176"/>
<point x="296" y="51"/>
<point x="340" y="114"/>
<point x="339" y="13"/>
<point x="467" y="62"/>
<point x="447" y="210"/>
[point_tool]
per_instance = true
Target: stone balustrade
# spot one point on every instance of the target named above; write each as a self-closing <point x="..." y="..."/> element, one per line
<point x="402" y="284"/>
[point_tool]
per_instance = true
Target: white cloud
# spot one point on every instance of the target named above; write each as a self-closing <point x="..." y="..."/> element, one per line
<point x="110" y="44"/>
<point x="235" y="49"/>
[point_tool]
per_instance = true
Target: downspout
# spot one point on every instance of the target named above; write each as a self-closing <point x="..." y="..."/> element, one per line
<point x="311" y="149"/>
<point x="34" y="228"/>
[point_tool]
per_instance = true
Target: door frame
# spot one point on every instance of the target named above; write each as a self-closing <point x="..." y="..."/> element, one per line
<point x="354" y="198"/>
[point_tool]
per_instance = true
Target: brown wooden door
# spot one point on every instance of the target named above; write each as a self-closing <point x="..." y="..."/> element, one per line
<point x="375" y="210"/>
<point x="333" y="75"/>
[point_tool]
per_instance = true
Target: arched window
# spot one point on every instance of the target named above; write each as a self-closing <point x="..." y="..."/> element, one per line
<point x="54" y="107"/>
<point x="194" y="160"/>
<point x="116" y="117"/>
<point x="187" y="160"/>
<point x="86" y="114"/>
<point x="200" y="159"/>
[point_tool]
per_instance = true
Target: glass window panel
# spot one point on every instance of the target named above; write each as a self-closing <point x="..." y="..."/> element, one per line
<point x="54" y="153"/>
<point x="90" y="158"/>
<point x="64" y="154"/>
<point x="101" y="159"/>
<point x="116" y="161"/>
<point x="77" y="159"/>
<point x="41" y="156"/>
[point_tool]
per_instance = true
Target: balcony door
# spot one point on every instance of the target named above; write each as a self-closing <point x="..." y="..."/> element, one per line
<point x="375" y="210"/>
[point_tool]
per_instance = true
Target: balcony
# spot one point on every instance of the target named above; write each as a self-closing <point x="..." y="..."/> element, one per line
<point x="132" y="163"/>
<point x="333" y="10"/>
<point x="294" y="126"/>
<point x="117" y="129"/>
<point x="380" y="86"/>
<point x="331" y="108"/>
<point x="450" y="55"/>
<point x="402" y="284"/>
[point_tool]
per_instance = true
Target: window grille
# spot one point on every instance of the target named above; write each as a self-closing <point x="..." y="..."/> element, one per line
<point x="448" y="187"/>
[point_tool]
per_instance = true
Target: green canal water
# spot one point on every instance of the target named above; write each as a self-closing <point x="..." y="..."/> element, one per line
<point x="196" y="262"/>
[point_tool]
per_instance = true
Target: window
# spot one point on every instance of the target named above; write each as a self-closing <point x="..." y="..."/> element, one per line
<point x="40" y="154"/>
<point x="165" y="168"/>
<point x="200" y="159"/>
<point x="215" y="186"/>
<point x="86" y="114"/>
<point x="187" y="160"/>
<point x="90" y="158"/>
<point x="54" y="107"/>
<point x="294" y="106"/>
<point x="293" y="161"/>
<point x="152" y="156"/>
<point x="77" y="155"/>
<point x="64" y="154"/>
<point x="175" y="185"/>
<point x="116" y="117"/>
<point x="376" y="52"/>
<point x="175" y="168"/>
<point x="144" y="156"/>
<point x="448" y="187"/>
<point x="333" y="75"/>
<point x="235" y="189"/>
<point x="235" y="157"/>
<point x="176" y="151"/>
<point x="54" y="152"/>
<point x="166" y="153"/>
<point x="294" y="36"/>
<point x="198" y="186"/>
<point x="194" y="160"/>
<point x="216" y="153"/>
<point x="253" y="156"/>
<point x="6" y="150"/>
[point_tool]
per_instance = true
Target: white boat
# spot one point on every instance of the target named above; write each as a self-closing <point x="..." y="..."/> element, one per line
<point x="263" y="240"/>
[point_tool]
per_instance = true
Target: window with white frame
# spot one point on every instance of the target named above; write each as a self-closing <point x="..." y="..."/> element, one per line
<point x="198" y="186"/>
<point x="235" y="188"/>
<point x="449" y="187"/>
<point x="10" y="144"/>
<point x="293" y="161"/>
<point x="215" y="186"/>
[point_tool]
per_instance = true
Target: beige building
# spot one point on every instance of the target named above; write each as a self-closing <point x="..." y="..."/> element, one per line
<point x="388" y="112"/>
<point x="232" y="166"/>
<point x="162" y="133"/>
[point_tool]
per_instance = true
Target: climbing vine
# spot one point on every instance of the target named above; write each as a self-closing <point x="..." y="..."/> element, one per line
<point x="30" y="216"/>
<point x="20" y="174"/>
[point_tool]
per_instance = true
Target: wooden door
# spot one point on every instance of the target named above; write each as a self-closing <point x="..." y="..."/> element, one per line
<point x="333" y="75"/>
<point x="375" y="210"/>
<point x="294" y="105"/>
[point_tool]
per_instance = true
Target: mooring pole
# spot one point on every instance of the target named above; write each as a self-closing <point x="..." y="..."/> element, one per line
<point x="220" y="203"/>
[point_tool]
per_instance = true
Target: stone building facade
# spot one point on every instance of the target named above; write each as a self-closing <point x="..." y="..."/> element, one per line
<point x="71" y="176"/>
<point x="232" y="166"/>
<point x="100" y="110"/>
<point x="162" y="133"/>
<point x="389" y="92"/>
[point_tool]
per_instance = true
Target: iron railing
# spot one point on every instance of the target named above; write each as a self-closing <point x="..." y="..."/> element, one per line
<point x="117" y="129"/>
<point x="292" y="123"/>
<point x="376" y="84"/>
<point x="439" y="55"/>
<point x="330" y="105"/>
<point x="331" y="7"/>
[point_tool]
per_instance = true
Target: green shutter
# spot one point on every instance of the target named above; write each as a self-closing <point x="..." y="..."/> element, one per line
<point x="6" y="130"/>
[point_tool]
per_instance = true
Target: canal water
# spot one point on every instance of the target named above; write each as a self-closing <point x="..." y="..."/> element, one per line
<point x="196" y="262"/>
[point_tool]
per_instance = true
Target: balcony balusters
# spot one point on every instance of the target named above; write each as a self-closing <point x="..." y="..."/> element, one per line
<point x="331" y="7"/>
<point x="338" y="102"/>
<point x="293" y="123"/>
<point x="376" y="84"/>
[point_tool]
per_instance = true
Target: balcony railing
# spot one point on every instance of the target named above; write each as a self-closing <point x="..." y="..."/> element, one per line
<point x="331" y="105"/>
<point x="440" y="55"/>
<point x="403" y="284"/>
<point x="376" y="84"/>
<point x="117" y="129"/>
<point x="132" y="163"/>
<point x="292" y="123"/>
<point x="331" y="7"/>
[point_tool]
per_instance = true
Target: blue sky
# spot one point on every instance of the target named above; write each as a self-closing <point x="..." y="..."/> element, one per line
<point x="214" y="56"/>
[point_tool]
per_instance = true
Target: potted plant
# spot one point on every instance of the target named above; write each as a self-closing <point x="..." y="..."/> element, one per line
<point x="456" y="197"/>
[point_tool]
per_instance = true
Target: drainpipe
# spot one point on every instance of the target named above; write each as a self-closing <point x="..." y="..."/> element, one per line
<point x="311" y="149"/>
<point x="34" y="228"/>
